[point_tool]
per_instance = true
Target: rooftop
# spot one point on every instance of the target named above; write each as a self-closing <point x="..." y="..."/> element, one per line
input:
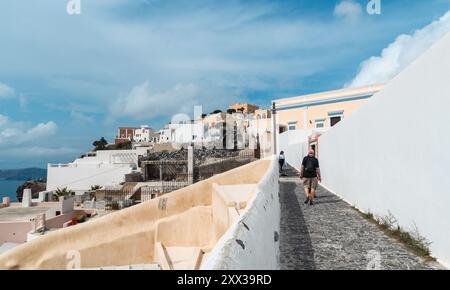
<point x="16" y="213"/>
<point x="336" y="94"/>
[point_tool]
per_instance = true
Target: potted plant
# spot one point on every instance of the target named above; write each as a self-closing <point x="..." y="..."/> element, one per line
<point x="95" y="187"/>
<point x="63" y="193"/>
<point x="81" y="219"/>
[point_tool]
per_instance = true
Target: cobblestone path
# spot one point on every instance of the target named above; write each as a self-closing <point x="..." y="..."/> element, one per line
<point x="331" y="235"/>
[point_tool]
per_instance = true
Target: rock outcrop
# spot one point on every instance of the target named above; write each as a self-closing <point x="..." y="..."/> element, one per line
<point x="36" y="186"/>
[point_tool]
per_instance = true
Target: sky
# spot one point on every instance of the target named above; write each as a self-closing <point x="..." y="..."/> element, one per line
<point x="67" y="80"/>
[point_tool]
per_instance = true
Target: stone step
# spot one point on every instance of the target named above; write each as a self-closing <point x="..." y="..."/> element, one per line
<point x="179" y="258"/>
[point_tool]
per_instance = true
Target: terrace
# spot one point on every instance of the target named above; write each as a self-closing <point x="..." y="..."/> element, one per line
<point x="189" y="228"/>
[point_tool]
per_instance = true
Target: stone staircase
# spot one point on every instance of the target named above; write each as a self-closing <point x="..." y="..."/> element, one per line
<point x="228" y="203"/>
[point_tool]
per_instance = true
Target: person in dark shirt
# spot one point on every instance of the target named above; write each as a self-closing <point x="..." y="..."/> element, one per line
<point x="310" y="175"/>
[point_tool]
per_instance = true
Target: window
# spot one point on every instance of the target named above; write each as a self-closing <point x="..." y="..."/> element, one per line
<point x="292" y="126"/>
<point x="320" y="123"/>
<point x="335" y="120"/>
<point x="335" y="117"/>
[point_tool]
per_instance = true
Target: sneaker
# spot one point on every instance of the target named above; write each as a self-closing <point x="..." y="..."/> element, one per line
<point x="307" y="200"/>
<point x="311" y="202"/>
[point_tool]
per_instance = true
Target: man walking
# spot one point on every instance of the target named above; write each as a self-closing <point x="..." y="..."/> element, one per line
<point x="310" y="174"/>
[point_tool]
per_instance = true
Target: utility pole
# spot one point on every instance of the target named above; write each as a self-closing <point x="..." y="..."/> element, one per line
<point x="274" y="128"/>
<point x="191" y="164"/>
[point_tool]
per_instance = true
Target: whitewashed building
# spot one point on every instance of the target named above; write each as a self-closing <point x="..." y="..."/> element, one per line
<point x="145" y="134"/>
<point x="165" y="135"/>
<point x="104" y="168"/>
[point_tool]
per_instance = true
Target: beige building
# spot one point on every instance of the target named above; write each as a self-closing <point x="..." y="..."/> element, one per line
<point x="262" y="114"/>
<point x="321" y="110"/>
<point x="261" y="128"/>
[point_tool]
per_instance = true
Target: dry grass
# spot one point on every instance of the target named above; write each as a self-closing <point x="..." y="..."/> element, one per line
<point x="412" y="240"/>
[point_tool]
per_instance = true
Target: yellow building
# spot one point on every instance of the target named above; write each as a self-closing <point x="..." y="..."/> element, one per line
<point x="245" y="108"/>
<point x="321" y="110"/>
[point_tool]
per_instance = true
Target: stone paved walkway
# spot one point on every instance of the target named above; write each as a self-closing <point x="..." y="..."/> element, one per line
<point x="331" y="235"/>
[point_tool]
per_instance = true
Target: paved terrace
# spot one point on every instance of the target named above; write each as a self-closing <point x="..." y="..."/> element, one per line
<point x="331" y="235"/>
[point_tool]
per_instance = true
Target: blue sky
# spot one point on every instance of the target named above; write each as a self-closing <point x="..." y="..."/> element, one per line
<point x="66" y="80"/>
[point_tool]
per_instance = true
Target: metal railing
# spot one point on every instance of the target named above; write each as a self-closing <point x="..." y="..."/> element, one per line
<point x="164" y="176"/>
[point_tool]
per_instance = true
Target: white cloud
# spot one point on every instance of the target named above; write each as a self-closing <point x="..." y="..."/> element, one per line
<point x="399" y="54"/>
<point x="23" y="144"/>
<point x="348" y="10"/>
<point x="6" y="91"/>
<point x="18" y="133"/>
<point x="3" y="120"/>
<point x="81" y="117"/>
<point x="141" y="103"/>
<point x="41" y="130"/>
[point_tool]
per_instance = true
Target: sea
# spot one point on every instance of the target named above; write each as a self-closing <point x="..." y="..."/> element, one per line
<point x="8" y="188"/>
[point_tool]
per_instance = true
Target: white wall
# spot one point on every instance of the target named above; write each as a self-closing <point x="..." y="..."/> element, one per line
<point x="392" y="155"/>
<point x="108" y="167"/>
<point x="81" y="178"/>
<point x="164" y="136"/>
<point x="114" y="156"/>
<point x="184" y="133"/>
<point x="262" y="218"/>
<point x="67" y="205"/>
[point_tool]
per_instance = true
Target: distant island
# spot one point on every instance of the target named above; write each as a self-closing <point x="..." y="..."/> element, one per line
<point x="23" y="174"/>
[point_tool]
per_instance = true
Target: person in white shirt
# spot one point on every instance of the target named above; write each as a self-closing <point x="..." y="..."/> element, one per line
<point x="281" y="160"/>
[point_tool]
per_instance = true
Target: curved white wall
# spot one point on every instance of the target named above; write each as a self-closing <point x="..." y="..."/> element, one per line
<point x="258" y="230"/>
<point x="393" y="154"/>
<point x="295" y="146"/>
<point x="107" y="167"/>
